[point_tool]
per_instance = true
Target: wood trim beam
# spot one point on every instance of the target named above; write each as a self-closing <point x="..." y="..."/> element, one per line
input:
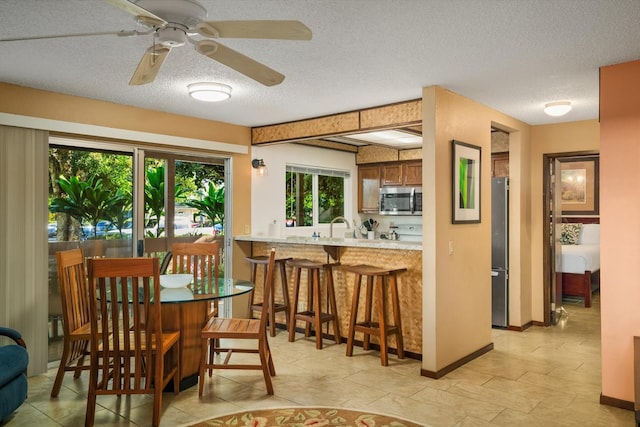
<point x="401" y="114"/>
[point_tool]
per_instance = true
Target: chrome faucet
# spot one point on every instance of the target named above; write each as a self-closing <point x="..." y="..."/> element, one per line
<point x="334" y="220"/>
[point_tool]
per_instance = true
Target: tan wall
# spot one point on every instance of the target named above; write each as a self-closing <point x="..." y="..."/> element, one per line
<point x="620" y="229"/>
<point x="48" y="105"/>
<point x="552" y="139"/>
<point x="457" y="287"/>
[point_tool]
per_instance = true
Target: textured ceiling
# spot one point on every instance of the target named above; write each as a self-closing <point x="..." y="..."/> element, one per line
<point x="513" y="56"/>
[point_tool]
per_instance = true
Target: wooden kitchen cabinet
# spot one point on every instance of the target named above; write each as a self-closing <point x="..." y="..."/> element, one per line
<point x="392" y="174"/>
<point x="369" y="189"/>
<point x="402" y="173"/>
<point x="412" y="173"/>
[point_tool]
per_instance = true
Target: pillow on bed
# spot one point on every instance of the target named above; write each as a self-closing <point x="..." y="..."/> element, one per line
<point x="570" y="233"/>
<point x="590" y="234"/>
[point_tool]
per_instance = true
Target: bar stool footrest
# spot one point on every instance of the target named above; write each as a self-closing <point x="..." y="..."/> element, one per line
<point x="309" y="316"/>
<point x="373" y="328"/>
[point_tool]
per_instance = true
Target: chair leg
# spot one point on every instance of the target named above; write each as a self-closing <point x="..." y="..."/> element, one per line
<point x="91" y="398"/>
<point x="158" y="373"/>
<point x="285" y="292"/>
<point x="271" y="305"/>
<point x="294" y="308"/>
<point x="367" y="312"/>
<point x="310" y="299"/>
<point x="354" y="314"/>
<point x="397" y="318"/>
<point x="264" y="356"/>
<point x="203" y="362"/>
<point x="57" y="384"/>
<point x="334" y="306"/>
<point x="317" y="307"/>
<point x="178" y="374"/>
<point x="382" y="322"/>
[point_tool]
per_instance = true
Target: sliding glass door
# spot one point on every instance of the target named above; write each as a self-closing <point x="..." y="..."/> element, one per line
<point x="117" y="200"/>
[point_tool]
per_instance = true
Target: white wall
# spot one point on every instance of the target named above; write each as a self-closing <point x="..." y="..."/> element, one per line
<point x="267" y="192"/>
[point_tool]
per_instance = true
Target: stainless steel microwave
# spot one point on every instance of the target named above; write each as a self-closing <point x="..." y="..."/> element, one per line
<point x="401" y="201"/>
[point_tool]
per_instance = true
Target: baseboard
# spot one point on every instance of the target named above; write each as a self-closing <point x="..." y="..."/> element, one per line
<point x="617" y="403"/>
<point x="520" y="328"/>
<point x="455" y="365"/>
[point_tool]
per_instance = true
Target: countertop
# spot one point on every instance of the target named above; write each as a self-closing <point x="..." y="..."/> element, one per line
<point x="334" y="241"/>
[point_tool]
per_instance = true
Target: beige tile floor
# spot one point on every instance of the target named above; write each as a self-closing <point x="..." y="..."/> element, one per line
<point x="540" y="377"/>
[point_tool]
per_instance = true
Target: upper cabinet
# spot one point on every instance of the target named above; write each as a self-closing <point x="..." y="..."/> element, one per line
<point x="412" y="173"/>
<point x="369" y="189"/>
<point x="402" y="173"/>
<point x="392" y="174"/>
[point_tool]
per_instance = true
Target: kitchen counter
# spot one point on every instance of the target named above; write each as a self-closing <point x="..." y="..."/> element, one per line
<point x="347" y="251"/>
<point x="335" y="241"/>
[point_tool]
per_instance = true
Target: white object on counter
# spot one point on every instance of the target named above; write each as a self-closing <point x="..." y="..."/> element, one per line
<point x="371" y="235"/>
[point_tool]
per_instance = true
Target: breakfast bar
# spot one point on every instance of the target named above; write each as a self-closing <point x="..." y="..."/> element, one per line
<point x="351" y="251"/>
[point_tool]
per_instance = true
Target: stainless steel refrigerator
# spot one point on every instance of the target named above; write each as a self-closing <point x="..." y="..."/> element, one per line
<point x="500" y="252"/>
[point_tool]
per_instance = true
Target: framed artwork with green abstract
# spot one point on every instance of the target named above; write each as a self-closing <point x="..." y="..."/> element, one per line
<point x="466" y="183"/>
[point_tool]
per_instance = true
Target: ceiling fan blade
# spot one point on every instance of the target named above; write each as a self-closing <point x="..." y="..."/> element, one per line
<point x="283" y="30"/>
<point x="121" y="33"/>
<point x="239" y="62"/>
<point x="149" y="65"/>
<point x="132" y="8"/>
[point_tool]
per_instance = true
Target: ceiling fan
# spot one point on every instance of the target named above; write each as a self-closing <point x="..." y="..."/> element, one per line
<point x="173" y="23"/>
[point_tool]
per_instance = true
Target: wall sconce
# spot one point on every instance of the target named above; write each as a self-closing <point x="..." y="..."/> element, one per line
<point x="260" y="166"/>
<point x="558" y="108"/>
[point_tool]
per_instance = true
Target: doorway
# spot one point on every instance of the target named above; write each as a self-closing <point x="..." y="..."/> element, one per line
<point x="555" y="216"/>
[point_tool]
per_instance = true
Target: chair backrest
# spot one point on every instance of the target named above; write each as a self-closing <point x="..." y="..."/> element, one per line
<point x="200" y="259"/>
<point x="122" y="294"/>
<point x="74" y="292"/>
<point x="268" y="288"/>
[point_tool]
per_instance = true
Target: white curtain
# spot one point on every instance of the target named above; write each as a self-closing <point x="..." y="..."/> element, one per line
<point x="24" y="155"/>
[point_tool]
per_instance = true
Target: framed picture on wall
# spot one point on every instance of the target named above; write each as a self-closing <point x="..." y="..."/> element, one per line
<point x="465" y="169"/>
<point x="579" y="185"/>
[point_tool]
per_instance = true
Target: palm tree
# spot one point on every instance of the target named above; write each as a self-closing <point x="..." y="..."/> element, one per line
<point x="211" y="205"/>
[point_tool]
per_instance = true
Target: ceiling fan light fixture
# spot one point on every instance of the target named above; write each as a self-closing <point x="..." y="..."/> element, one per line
<point x="209" y="92"/>
<point x="557" y="108"/>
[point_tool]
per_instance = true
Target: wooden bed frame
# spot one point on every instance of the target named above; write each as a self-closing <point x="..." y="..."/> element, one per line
<point x="581" y="285"/>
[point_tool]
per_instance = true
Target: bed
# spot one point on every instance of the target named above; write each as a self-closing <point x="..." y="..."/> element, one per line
<point x="580" y="260"/>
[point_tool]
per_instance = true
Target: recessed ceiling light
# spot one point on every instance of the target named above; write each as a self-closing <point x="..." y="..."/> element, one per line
<point x="209" y="92"/>
<point x="557" y="108"/>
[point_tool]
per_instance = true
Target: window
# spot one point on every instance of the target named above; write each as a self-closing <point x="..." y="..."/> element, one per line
<point x="314" y="196"/>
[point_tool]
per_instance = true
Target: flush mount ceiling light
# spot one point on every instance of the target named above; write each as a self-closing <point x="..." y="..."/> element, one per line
<point x="557" y="108"/>
<point x="209" y="92"/>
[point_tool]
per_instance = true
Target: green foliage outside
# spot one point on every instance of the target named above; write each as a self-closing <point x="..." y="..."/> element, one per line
<point x="90" y="187"/>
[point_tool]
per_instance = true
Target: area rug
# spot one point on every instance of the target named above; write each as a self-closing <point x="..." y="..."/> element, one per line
<point x="306" y="416"/>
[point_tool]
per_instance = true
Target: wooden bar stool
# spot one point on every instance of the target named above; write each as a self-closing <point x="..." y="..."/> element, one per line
<point x="275" y="307"/>
<point x="375" y="276"/>
<point x="313" y="315"/>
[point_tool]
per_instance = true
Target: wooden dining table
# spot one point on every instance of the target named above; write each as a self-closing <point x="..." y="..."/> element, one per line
<point x="187" y="312"/>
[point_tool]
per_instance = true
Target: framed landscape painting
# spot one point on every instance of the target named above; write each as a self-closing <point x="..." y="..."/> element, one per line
<point x="579" y="185"/>
<point x="466" y="183"/>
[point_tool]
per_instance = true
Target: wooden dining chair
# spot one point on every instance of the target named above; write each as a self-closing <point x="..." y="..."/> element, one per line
<point x="76" y="324"/>
<point x="218" y="329"/>
<point x="203" y="261"/>
<point x="129" y="353"/>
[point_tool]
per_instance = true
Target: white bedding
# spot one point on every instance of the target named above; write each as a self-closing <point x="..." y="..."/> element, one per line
<point x="585" y="256"/>
<point x="580" y="258"/>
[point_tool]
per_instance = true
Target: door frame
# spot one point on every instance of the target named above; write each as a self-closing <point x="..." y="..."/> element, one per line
<point x="547" y="250"/>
